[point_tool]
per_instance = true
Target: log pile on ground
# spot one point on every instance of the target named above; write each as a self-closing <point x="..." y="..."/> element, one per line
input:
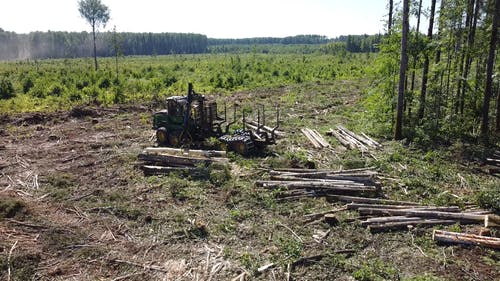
<point x="298" y="183"/>
<point x="380" y="215"/>
<point x="315" y="138"/>
<point x="493" y="163"/>
<point x="351" y="140"/>
<point x="166" y="160"/>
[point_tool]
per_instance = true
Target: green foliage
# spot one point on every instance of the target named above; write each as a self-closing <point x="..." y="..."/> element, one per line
<point x="290" y="248"/>
<point x="375" y="269"/>
<point x="489" y="197"/>
<point x="57" y="84"/>
<point x="10" y="208"/>
<point x="6" y="88"/>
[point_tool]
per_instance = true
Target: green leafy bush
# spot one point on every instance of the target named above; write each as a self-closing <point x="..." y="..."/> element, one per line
<point x="489" y="197"/>
<point x="6" y="88"/>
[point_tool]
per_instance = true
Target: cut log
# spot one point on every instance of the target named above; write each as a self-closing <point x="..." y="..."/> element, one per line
<point x="162" y="170"/>
<point x="462" y="217"/>
<point x="331" y="219"/>
<point x="184" y="152"/>
<point x="311" y="184"/>
<point x="492" y="161"/>
<point x="463" y="238"/>
<point x="369" y="200"/>
<point x="311" y="138"/>
<point x="380" y="220"/>
<point x="356" y="206"/>
<point x="491" y="220"/>
<point x="404" y="224"/>
<point x="268" y="129"/>
<point x="172" y="160"/>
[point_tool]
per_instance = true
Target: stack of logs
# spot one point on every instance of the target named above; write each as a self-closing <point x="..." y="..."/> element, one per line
<point x="298" y="183"/>
<point x="354" y="141"/>
<point x="165" y="160"/>
<point x="315" y="138"/>
<point x="494" y="163"/>
<point x="380" y="215"/>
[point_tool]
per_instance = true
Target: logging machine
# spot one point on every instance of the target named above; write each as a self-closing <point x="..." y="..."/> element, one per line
<point x="191" y="119"/>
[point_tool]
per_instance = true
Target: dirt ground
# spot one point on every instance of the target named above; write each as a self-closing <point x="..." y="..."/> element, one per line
<point x="76" y="206"/>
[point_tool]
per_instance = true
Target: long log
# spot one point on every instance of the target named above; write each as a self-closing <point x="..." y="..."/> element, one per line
<point x="404" y="224"/>
<point x="356" y="206"/>
<point x="355" y="199"/>
<point x="462" y="217"/>
<point x="162" y="170"/>
<point x="463" y="238"/>
<point x="184" y="152"/>
<point x="379" y="220"/>
<point x="173" y="160"/>
<point x="268" y="129"/>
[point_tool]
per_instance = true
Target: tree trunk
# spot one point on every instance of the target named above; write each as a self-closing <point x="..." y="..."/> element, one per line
<point x="467" y="46"/>
<point x="489" y="74"/>
<point x="389" y="23"/>
<point x="423" y="91"/>
<point x="398" y="134"/>
<point x="95" y="49"/>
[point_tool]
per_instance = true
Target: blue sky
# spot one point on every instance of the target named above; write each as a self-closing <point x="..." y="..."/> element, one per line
<point x="214" y="18"/>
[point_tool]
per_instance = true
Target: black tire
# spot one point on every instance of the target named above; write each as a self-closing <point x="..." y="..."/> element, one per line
<point x="174" y="138"/>
<point x="162" y="136"/>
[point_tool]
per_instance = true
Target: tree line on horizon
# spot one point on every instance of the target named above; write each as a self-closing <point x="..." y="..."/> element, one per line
<point x="61" y="44"/>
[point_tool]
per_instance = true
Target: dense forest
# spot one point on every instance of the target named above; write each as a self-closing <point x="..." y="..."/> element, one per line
<point x="447" y="81"/>
<point x="54" y="44"/>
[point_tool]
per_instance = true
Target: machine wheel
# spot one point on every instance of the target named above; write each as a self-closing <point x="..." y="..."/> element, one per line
<point x="162" y="136"/>
<point x="240" y="147"/>
<point x="241" y="144"/>
<point x="175" y="138"/>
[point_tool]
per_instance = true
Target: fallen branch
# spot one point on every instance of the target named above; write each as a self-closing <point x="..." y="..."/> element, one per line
<point x="463" y="238"/>
<point x="144" y="266"/>
<point x="9" y="260"/>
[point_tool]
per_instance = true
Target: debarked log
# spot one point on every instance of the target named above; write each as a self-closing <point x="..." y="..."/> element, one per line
<point x="356" y="206"/>
<point x="172" y="160"/>
<point x="162" y="170"/>
<point x="404" y="224"/>
<point x="184" y="152"/>
<point x="463" y="238"/>
<point x="355" y="199"/>
<point x="462" y="217"/>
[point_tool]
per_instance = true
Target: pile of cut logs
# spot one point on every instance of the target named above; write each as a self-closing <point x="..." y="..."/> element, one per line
<point x="494" y="163"/>
<point x="315" y="138"/>
<point x="298" y="183"/>
<point x="354" y="141"/>
<point x="165" y="160"/>
<point x="380" y="215"/>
